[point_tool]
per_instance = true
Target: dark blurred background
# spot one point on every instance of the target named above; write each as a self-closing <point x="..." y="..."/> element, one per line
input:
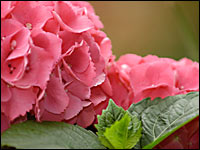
<point x="167" y="29"/>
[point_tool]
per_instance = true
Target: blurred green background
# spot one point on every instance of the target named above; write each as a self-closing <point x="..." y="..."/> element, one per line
<point x="163" y="28"/>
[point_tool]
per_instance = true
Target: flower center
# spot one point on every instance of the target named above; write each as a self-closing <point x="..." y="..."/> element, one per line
<point x="182" y="87"/>
<point x="29" y="26"/>
<point x="11" y="68"/>
<point x="13" y="45"/>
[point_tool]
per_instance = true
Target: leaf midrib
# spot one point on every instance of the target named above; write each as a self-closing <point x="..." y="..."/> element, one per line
<point x="155" y="138"/>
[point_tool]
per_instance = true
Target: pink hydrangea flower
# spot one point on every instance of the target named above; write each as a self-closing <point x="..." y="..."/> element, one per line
<point x="52" y="55"/>
<point x="133" y="78"/>
<point x="187" y="75"/>
<point x="153" y="77"/>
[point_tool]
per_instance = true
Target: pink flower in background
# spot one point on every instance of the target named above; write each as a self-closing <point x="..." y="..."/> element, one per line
<point x="156" y="79"/>
<point x="153" y="77"/>
<point x="133" y="78"/>
<point x="187" y="77"/>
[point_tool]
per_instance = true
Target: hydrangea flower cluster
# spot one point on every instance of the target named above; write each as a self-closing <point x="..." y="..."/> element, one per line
<point x="52" y="54"/>
<point x="133" y="78"/>
<point x="57" y="65"/>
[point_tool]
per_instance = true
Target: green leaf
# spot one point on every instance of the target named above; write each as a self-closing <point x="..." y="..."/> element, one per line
<point x="51" y="135"/>
<point x="108" y="117"/>
<point x="118" y="128"/>
<point x="160" y="139"/>
<point x="161" y="117"/>
<point x="122" y="135"/>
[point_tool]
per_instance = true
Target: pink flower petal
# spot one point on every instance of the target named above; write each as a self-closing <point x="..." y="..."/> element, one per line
<point x="29" y="14"/>
<point x="151" y="78"/>
<point x="161" y="90"/>
<point x="98" y="35"/>
<point x="188" y="76"/>
<point x="69" y="40"/>
<point x="5" y="123"/>
<point x="97" y="96"/>
<point x="100" y="73"/>
<point x="104" y="42"/>
<point x="56" y="99"/>
<point x="21" y="39"/>
<point x="10" y="26"/>
<point x="89" y="12"/>
<point x="106" y="87"/>
<point x="43" y="115"/>
<point x="86" y="77"/>
<point x="81" y="54"/>
<point x="74" y="107"/>
<point x="69" y="20"/>
<point x="5" y="8"/>
<point x="52" y="26"/>
<point x="71" y="121"/>
<point x="86" y="117"/>
<point x="79" y="89"/>
<point x="74" y="86"/>
<point x="82" y="4"/>
<point x="49" y="42"/>
<point x="93" y="47"/>
<point x="47" y="3"/>
<point x="103" y="105"/>
<point x="106" y="47"/>
<point x="185" y="61"/>
<point x="14" y="69"/>
<point x="151" y="74"/>
<point x="5" y="92"/>
<point x="66" y="77"/>
<point x="129" y="59"/>
<point x="86" y="103"/>
<point x="120" y="91"/>
<point x="22" y="101"/>
<point x="43" y="68"/>
<point x="48" y="116"/>
<point x="14" y="48"/>
<point x="149" y="58"/>
<point x="95" y="19"/>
